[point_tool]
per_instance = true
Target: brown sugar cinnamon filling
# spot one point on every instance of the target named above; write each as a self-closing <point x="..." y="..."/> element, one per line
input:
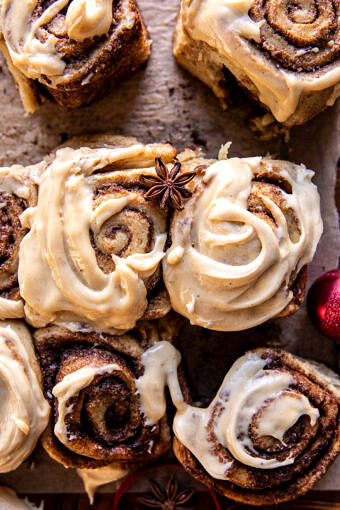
<point x="269" y="434"/>
<point x="17" y="194"/>
<point x="75" y="50"/>
<point x="102" y="243"/>
<point x="299" y="35"/>
<point x="90" y="382"/>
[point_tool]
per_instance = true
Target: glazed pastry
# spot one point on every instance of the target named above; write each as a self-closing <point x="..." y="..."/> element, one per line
<point x="17" y="192"/>
<point x="284" y="55"/>
<point x="95" y="257"/>
<point x="10" y="501"/>
<point x="90" y="380"/>
<point x="270" y="433"/>
<point x="241" y="244"/>
<point x="75" y="49"/>
<point x="24" y="410"/>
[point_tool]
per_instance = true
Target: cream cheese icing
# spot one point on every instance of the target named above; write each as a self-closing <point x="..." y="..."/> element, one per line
<point x="226" y="26"/>
<point x="24" y="411"/>
<point x="69" y="387"/>
<point x="35" y="56"/>
<point x="228" y="269"/>
<point x="59" y="276"/>
<point x="16" y="180"/>
<point x="247" y="389"/>
<point x="94" y="478"/>
<point x="10" y="501"/>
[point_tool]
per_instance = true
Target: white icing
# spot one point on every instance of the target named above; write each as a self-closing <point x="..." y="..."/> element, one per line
<point x="94" y="478"/>
<point x="226" y="26"/>
<point x="69" y="387"/>
<point x="23" y="410"/>
<point x="15" y="180"/>
<point x="234" y="268"/>
<point x="250" y="395"/>
<point x="59" y="276"/>
<point x="34" y="56"/>
<point x="10" y="501"/>
<point x="281" y="413"/>
<point x="160" y="369"/>
<point x="86" y="19"/>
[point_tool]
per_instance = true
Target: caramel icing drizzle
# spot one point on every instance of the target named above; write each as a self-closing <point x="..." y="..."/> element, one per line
<point x="253" y="36"/>
<point x="252" y="404"/>
<point x="17" y="192"/>
<point x="24" y="411"/>
<point x="35" y="55"/>
<point x="230" y="265"/>
<point x="62" y="275"/>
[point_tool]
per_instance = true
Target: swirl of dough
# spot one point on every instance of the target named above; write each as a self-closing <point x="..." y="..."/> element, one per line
<point x="240" y="244"/>
<point x="90" y="380"/>
<point x="286" y="54"/>
<point x="17" y="192"/>
<point x="268" y="435"/>
<point x="33" y="49"/>
<point x="273" y="413"/>
<point x="76" y="49"/>
<point x="95" y="245"/>
<point x="24" y="411"/>
<point x="292" y="32"/>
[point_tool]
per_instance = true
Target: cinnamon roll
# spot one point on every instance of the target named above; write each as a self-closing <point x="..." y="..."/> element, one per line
<point x="24" y="410"/>
<point x="10" y="501"/>
<point x="284" y="54"/>
<point x="95" y="257"/>
<point x="17" y="193"/>
<point x="90" y="380"/>
<point x="75" y="49"/>
<point x="241" y="244"/>
<point x="270" y="433"/>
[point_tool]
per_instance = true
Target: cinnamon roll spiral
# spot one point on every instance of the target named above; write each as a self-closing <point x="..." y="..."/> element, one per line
<point x="95" y="257"/>
<point x="285" y="54"/>
<point x="241" y="245"/>
<point x="269" y="434"/>
<point x="17" y="193"/>
<point x="24" y="411"/>
<point x="90" y="381"/>
<point x="75" y="48"/>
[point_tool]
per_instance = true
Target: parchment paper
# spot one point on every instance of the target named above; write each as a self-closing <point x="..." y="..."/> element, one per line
<point x="164" y="103"/>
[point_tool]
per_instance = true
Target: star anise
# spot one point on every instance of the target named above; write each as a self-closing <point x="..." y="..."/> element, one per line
<point x="169" y="499"/>
<point x="167" y="186"/>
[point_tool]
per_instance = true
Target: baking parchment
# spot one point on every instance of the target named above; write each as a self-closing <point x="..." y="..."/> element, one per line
<point x="163" y="102"/>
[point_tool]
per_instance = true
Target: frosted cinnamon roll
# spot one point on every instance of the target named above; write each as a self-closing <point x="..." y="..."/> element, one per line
<point x="95" y="256"/>
<point x="270" y="433"/>
<point x="90" y="380"/>
<point x="241" y="244"/>
<point x="284" y="54"/>
<point x="75" y="49"/>
<point x="24" y="410"/>
<point x="10" y="501"/>
<point x="17" y="193"/>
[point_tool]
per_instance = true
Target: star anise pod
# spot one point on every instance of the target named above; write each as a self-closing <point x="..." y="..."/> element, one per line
<point x="169" y="499"/>
<point x="167" y="186"/>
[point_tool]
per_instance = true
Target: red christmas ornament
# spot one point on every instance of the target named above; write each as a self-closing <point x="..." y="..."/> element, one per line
<point x="323" y="303"/>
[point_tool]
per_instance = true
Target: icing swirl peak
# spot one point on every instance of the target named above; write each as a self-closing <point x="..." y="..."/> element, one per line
<point x="60" y="275"/>
<point x="35" y="55"/>
<point x="241" y="240"/>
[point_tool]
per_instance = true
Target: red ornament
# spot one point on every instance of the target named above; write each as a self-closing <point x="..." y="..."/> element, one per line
<point x="323" y="303"/>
